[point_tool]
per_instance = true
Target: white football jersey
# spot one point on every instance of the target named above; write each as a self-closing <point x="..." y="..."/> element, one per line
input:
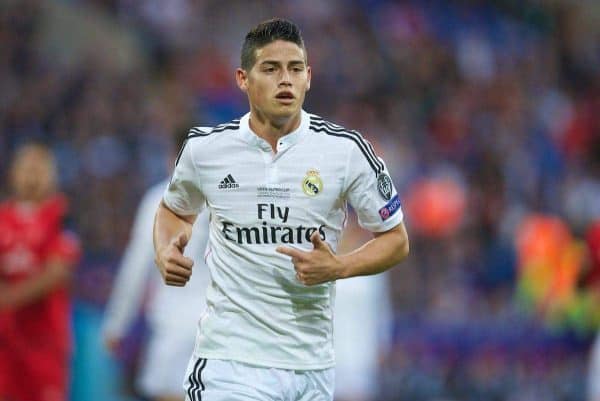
<point x="258" y="312"/>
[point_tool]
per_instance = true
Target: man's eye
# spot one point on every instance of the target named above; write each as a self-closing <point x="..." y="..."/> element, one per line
<point x="298" y="69"/>
<point x="270" y="69"/>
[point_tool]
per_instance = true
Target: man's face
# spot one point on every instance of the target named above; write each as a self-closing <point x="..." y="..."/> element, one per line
<point x="33" y="174"/>
<point x="277" y="83"/>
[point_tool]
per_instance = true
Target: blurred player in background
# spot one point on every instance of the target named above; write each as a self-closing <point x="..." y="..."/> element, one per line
<point x="277" y="183"/>
<point x="37" y="257"/>
<point x="172" y="314"/>
<point x="363" y="315"/>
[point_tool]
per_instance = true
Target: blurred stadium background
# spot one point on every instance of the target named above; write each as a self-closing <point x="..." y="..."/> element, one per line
<point x="486" y="111"/>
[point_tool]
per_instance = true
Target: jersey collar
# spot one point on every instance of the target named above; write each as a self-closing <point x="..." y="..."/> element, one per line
<point x="285" y="141"/>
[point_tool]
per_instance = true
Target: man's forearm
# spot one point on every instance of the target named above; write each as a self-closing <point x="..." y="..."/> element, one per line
<point x="379" y="254"/>
<point x="168" y="225"/>
<point x="56" y="274"/>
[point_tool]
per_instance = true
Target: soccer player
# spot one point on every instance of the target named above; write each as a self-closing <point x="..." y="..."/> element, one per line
<point x="36" y="261"/>
<point x="171" y="335"/>
<point x="276" y="183"/>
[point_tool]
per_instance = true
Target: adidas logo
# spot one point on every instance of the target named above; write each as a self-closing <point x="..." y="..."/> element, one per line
<point x="228" y="183"/>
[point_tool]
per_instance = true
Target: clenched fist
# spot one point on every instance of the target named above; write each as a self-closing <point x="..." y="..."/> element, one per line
<point x="175" y="268"/>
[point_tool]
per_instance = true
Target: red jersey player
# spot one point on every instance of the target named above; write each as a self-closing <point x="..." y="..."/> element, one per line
<point x="36" y="260"/>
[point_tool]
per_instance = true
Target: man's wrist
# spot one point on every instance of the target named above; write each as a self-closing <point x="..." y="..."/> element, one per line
<point x="344" y="267"/>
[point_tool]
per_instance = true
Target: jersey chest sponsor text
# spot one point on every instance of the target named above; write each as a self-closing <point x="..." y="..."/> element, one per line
<point x="270" y="228"/>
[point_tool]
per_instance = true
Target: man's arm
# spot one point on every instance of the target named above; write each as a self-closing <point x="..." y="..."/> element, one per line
<point x="377" y="255"/>
<point x="171" y="234"/>
<point x="387" y="249"/>
<point x="55" y="275"/>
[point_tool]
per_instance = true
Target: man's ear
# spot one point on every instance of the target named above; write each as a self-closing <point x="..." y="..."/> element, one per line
<point x="241" y="77"/>
<point x="309" y="75"/>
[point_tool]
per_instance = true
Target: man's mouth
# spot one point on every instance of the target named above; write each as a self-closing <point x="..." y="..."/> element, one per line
<point x="285" y="96"/>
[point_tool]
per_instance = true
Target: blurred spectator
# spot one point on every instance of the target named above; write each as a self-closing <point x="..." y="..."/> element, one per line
<point x="550" y="264"/>
<point x="171" y="313"/>
<point x="37" y="257"/>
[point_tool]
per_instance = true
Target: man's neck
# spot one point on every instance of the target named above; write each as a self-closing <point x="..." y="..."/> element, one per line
<point x="29" y="199"/>
<point x="271" y="130"/>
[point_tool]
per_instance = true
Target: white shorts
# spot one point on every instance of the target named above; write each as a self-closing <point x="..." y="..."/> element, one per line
<point x="219" y="380"/>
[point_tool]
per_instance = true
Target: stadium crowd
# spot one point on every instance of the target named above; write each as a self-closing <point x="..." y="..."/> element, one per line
<point x="486" y="111"/>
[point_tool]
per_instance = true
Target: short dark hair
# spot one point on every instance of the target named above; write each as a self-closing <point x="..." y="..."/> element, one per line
<point x="267" y="32"/>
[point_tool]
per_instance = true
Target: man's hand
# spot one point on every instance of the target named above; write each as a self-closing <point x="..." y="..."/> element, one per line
<point x="317" y="266"/>
<point x="112" y="344"/>
<point x="175" y="268"/>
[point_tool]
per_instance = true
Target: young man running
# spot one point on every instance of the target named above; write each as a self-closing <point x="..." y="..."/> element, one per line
<point x="276" y="183"/>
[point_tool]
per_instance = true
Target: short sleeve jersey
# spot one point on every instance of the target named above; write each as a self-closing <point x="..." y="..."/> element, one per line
<point x="258" y="312"/>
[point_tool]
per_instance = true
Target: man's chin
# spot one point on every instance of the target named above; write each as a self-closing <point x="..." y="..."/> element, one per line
<point x="286" y="110"/>
<point x="282" y="115"/>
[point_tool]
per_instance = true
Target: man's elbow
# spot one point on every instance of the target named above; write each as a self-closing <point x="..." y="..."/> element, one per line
<point x="401" y="244"/>
<point x="402" y="249"/>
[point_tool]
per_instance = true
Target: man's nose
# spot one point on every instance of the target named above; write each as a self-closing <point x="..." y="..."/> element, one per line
<point x="285" y="78"/>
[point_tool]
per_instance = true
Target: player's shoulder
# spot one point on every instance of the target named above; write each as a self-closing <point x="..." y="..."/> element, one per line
<point x="351" y="140"/>
<point x="7" y="211"/>
<point x="335" y="132"/>
<point x="6" y="206"/>
<point x="208" y="133"/>
<point x="202" y="138"/>
<point x="154" y="194"/>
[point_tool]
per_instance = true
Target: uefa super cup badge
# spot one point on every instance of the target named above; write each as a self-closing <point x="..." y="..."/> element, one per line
<point x="312" y="183"/>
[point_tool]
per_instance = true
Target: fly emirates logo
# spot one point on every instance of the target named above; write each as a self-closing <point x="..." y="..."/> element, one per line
<point x="272" y="230"/>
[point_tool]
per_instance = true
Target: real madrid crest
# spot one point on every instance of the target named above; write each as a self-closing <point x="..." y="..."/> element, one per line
<point x="312" y="184"/>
